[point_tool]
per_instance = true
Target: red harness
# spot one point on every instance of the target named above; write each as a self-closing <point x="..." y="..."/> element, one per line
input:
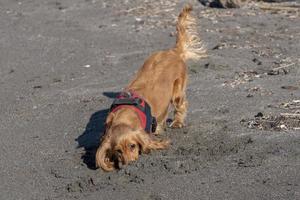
<point x="133" y="101"/>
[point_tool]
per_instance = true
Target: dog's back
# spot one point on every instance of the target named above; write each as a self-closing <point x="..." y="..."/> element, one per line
<point x="156" y="80"/>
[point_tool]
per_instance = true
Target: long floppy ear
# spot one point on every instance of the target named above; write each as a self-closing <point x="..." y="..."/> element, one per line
<point x="147" y="143"/>
<point x="103" y="156"/>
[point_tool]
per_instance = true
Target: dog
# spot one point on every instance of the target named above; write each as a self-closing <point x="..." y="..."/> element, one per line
<point x="130" y="127"/>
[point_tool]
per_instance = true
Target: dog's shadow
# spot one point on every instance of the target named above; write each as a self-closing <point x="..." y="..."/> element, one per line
<point x="94" y="130"/>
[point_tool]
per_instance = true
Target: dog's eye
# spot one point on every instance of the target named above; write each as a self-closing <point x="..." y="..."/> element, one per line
<point x="132" y="146"/>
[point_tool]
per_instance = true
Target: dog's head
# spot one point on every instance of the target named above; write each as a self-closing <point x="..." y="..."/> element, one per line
<point x="122" y="144"/>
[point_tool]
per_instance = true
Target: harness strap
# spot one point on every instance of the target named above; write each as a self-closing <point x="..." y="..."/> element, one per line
<point x="131" y="100"/>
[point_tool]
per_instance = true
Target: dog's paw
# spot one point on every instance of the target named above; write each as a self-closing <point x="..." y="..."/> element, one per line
<point x="160" y="129"/>
<point x="176" y="124"/>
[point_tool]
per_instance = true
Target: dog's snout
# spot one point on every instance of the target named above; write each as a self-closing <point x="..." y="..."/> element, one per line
<point x="119" y="152"/>
<point x="119" y="156"/>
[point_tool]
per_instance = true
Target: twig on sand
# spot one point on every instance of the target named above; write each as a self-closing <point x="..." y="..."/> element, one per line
<point x="137" y="8"/>
<point x="279" y="6"/>
<point x="275" y="71"/>
<point x="281" y="67"/>
<point x="291" y="115"/>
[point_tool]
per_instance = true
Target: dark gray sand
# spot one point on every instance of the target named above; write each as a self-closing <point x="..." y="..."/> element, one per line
<point x="62" y="62"/>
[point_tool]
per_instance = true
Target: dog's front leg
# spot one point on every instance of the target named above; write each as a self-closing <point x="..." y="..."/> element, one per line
<point x="162" y="122"/>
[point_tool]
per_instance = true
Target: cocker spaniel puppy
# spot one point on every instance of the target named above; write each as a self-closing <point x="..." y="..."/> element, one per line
<point x="141" y="110"/>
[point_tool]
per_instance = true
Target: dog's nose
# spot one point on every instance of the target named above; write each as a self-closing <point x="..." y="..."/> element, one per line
<point x="118" y="155"/>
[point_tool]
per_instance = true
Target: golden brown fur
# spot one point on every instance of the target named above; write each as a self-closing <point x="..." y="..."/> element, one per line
<point x="161" y="82"/>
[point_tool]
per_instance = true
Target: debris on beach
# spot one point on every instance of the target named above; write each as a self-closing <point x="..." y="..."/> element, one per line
<point x="281" y="122"/>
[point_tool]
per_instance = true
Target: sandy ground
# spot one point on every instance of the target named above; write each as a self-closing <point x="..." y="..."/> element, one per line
<point x="61" y="63"/>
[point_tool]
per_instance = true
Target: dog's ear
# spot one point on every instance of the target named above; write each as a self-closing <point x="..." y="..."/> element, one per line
<point x="109" y="120"/>
<point x="147" y="143"/>
<point x="103" y="155"/>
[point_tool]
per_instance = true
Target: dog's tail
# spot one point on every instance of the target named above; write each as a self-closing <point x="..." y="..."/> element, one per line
<point x="188" y="43"/>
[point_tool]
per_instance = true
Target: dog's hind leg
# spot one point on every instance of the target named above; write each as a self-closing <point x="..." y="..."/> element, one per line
<point x="179" y="102"/>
